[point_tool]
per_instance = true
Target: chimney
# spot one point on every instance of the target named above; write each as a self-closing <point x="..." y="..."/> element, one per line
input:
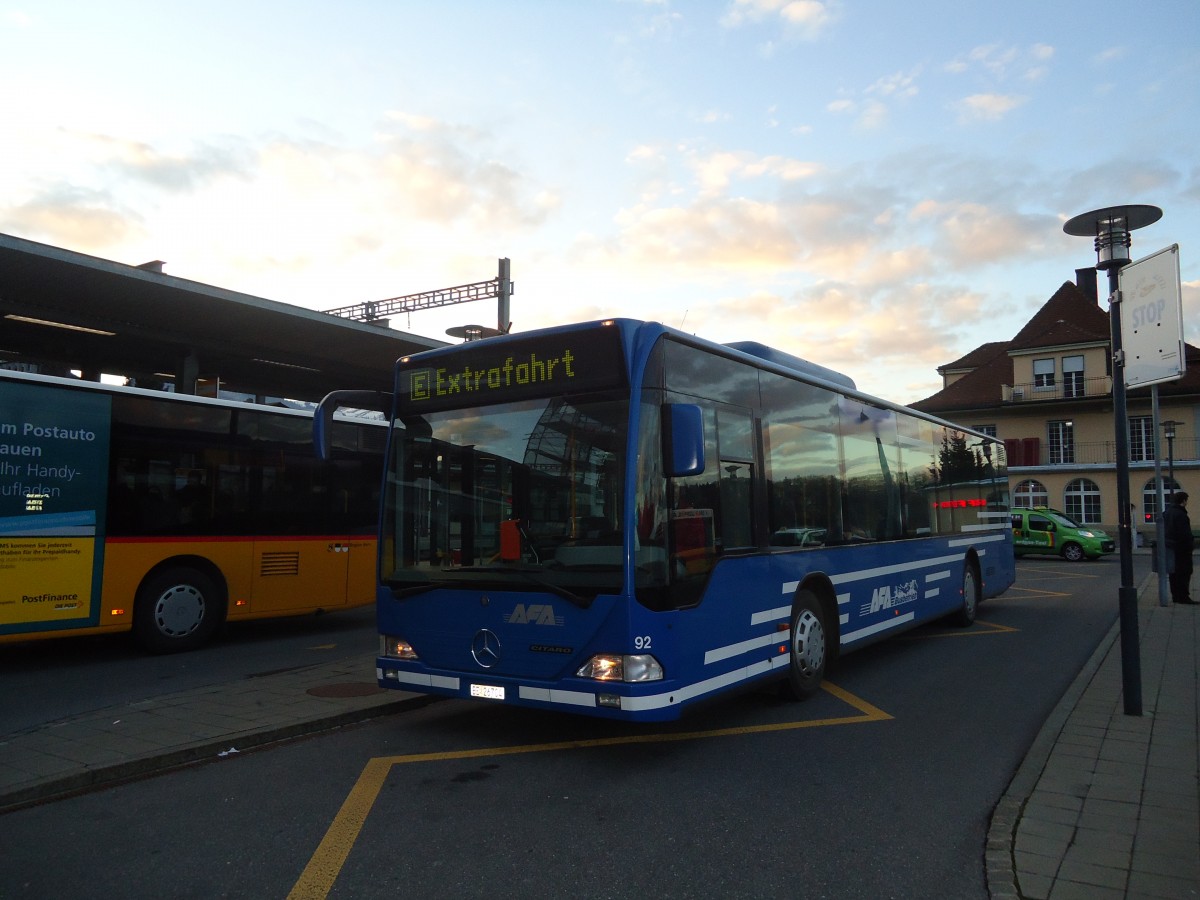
<point x="1085" y="280"/>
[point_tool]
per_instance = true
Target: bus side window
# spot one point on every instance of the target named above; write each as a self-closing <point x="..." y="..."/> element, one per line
<point x="735" y="440"/>
<point x="803" y="463"/>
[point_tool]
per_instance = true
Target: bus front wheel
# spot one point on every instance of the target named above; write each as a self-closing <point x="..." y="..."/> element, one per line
<point x="177" y="609"/>
<point x="970" y="596"/>
<point x="806" y="665"/>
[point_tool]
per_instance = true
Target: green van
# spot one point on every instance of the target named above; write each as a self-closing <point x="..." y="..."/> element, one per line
<point x="1043" y="530"/>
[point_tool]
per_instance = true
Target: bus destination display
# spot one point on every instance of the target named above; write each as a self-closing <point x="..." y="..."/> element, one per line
<point x="502" y="371"/>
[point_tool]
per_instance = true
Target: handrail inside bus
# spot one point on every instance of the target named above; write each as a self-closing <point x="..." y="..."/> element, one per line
<point x="331" y="403"/>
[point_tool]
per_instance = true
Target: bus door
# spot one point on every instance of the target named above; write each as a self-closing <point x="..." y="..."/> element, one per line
<point x="301" y="547"/>
<point x="713" y="513"/>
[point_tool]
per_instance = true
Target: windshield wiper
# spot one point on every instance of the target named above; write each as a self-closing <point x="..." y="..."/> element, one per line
<point x="401" y="593"/>
<point x="529" y="576"/>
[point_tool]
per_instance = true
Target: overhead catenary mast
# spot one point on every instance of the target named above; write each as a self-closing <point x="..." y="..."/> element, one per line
<point x="500" y="287"/>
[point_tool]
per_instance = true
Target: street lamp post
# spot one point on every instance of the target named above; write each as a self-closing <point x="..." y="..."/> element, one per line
<point x="1111" y="228"/>
<point x="1169" y="434"/>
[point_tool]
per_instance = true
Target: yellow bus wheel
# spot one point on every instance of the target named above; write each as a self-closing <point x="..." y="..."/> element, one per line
<point x="177" y="608"/>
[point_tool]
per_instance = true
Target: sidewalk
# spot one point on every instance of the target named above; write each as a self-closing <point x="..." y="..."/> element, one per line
<point x="123" y="742"/>
<point x="1106" y="804"/>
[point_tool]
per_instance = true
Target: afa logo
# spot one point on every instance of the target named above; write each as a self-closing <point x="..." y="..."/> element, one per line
<point x="892" y="595"/>
<point x="534" y="614"/>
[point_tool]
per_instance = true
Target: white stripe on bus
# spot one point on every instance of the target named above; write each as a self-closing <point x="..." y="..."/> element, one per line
<point x="770" y="615"/>
<point x="894" y="569"/>
<point x="554" y="695"/>
<point x="876" y="628"/>
<point x="700" y="688"/>
<point x="755" y="643"/>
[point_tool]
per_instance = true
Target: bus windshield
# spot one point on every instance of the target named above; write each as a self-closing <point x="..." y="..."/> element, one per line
<point x="519" y="495"/>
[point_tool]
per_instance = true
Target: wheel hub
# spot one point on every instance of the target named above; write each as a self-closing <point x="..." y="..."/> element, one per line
<point x="180" y="610"/>
<point x="808" y="643"/>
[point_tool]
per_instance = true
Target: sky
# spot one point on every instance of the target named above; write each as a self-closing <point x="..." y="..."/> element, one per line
<point x="879" y="187"/>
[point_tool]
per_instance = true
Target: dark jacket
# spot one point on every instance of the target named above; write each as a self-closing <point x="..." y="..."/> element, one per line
<point x="1177" y="530"/>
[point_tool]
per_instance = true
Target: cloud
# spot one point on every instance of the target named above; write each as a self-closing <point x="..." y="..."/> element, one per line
<point x="715" y="173"/>
<point x="969" y="235"/>
<point x="805" y="19"/>
<point x="175" y="172"/>
<point x="74" y="217"/>
<point x="868" y="334"/>
<point x="901" y="85"/>
<point x="998" y="63"/>
<point x="873" y="111"/>
<point x="987" y="107"/>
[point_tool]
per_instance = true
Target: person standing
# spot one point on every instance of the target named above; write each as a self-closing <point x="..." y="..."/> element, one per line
<point x="1177" y="531"/>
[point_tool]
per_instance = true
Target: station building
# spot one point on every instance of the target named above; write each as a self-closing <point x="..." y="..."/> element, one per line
<point x="1047" y="393"/>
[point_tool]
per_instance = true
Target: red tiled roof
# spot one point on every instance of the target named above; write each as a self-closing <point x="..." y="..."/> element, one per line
<point x="1069" y="317"/>
<point x="975" y="358"/>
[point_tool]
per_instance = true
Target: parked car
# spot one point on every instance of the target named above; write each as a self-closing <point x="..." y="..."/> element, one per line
<point x="799" y="537"/>
<point x="1043" y="530"/>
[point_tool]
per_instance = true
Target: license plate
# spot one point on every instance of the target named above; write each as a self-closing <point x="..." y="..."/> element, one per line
<point x="487" y="691"/>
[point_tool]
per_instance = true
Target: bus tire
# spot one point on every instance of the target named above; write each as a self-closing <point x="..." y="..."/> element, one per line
<point x="177" y="609"/>
<point x="970" y="596"/>
<point x="807" y="646"/>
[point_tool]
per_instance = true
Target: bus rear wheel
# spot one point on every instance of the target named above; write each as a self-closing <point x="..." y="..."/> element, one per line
<point x="177" y="609"/>
<point x="806" y="664"/>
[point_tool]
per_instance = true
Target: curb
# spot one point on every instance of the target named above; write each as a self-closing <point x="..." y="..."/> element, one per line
<point x="131" y="770"/>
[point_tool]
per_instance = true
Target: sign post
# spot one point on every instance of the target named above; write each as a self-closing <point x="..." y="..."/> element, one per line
<point x="1152" y="323"/>
<point x="1111" y="228"/>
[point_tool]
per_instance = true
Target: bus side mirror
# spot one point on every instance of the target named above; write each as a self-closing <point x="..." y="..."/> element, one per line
<point x="683" y="439"/>
<point x="331" y="403"/>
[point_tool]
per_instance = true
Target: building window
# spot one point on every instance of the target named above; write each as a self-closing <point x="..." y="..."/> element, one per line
<point x="1141" y="439"/>
<point x="989" y="430"/>
<point x="1061" y="441"/>
<point x="1083" y="501"/>
<point x="1150" y="497"/>
<point x="1043" y="374"/>
<point x="1030" y="494"/>
<point x="1073" y="376"/>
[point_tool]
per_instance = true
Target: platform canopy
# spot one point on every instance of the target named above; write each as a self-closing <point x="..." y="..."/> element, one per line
<point x="137" y="322"/>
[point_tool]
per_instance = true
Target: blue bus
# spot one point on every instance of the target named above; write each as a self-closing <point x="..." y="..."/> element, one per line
<point x="620" y="519"/>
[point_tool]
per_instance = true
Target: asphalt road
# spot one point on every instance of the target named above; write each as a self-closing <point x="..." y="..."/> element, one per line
<point x="882" y="786"/>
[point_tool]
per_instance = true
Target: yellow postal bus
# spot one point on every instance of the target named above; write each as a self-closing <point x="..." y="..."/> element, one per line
<point x="124" y="509"/>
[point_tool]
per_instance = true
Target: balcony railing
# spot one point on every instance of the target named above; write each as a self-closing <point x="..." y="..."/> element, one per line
<point x="1070" y="389"/>
<point x="1098" y="453"/>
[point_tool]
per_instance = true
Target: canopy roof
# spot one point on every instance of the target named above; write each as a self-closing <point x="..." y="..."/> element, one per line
<point x="138" y="322"/>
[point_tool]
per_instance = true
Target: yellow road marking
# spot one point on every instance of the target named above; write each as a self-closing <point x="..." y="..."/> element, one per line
<point x="317" y="879"/>
<point x="1042" y="593"/>
<point x="980" y="629"/>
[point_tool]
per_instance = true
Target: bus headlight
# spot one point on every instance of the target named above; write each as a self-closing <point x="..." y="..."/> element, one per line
<point x="614" y="667"/>
<point x="392" y="647"/>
